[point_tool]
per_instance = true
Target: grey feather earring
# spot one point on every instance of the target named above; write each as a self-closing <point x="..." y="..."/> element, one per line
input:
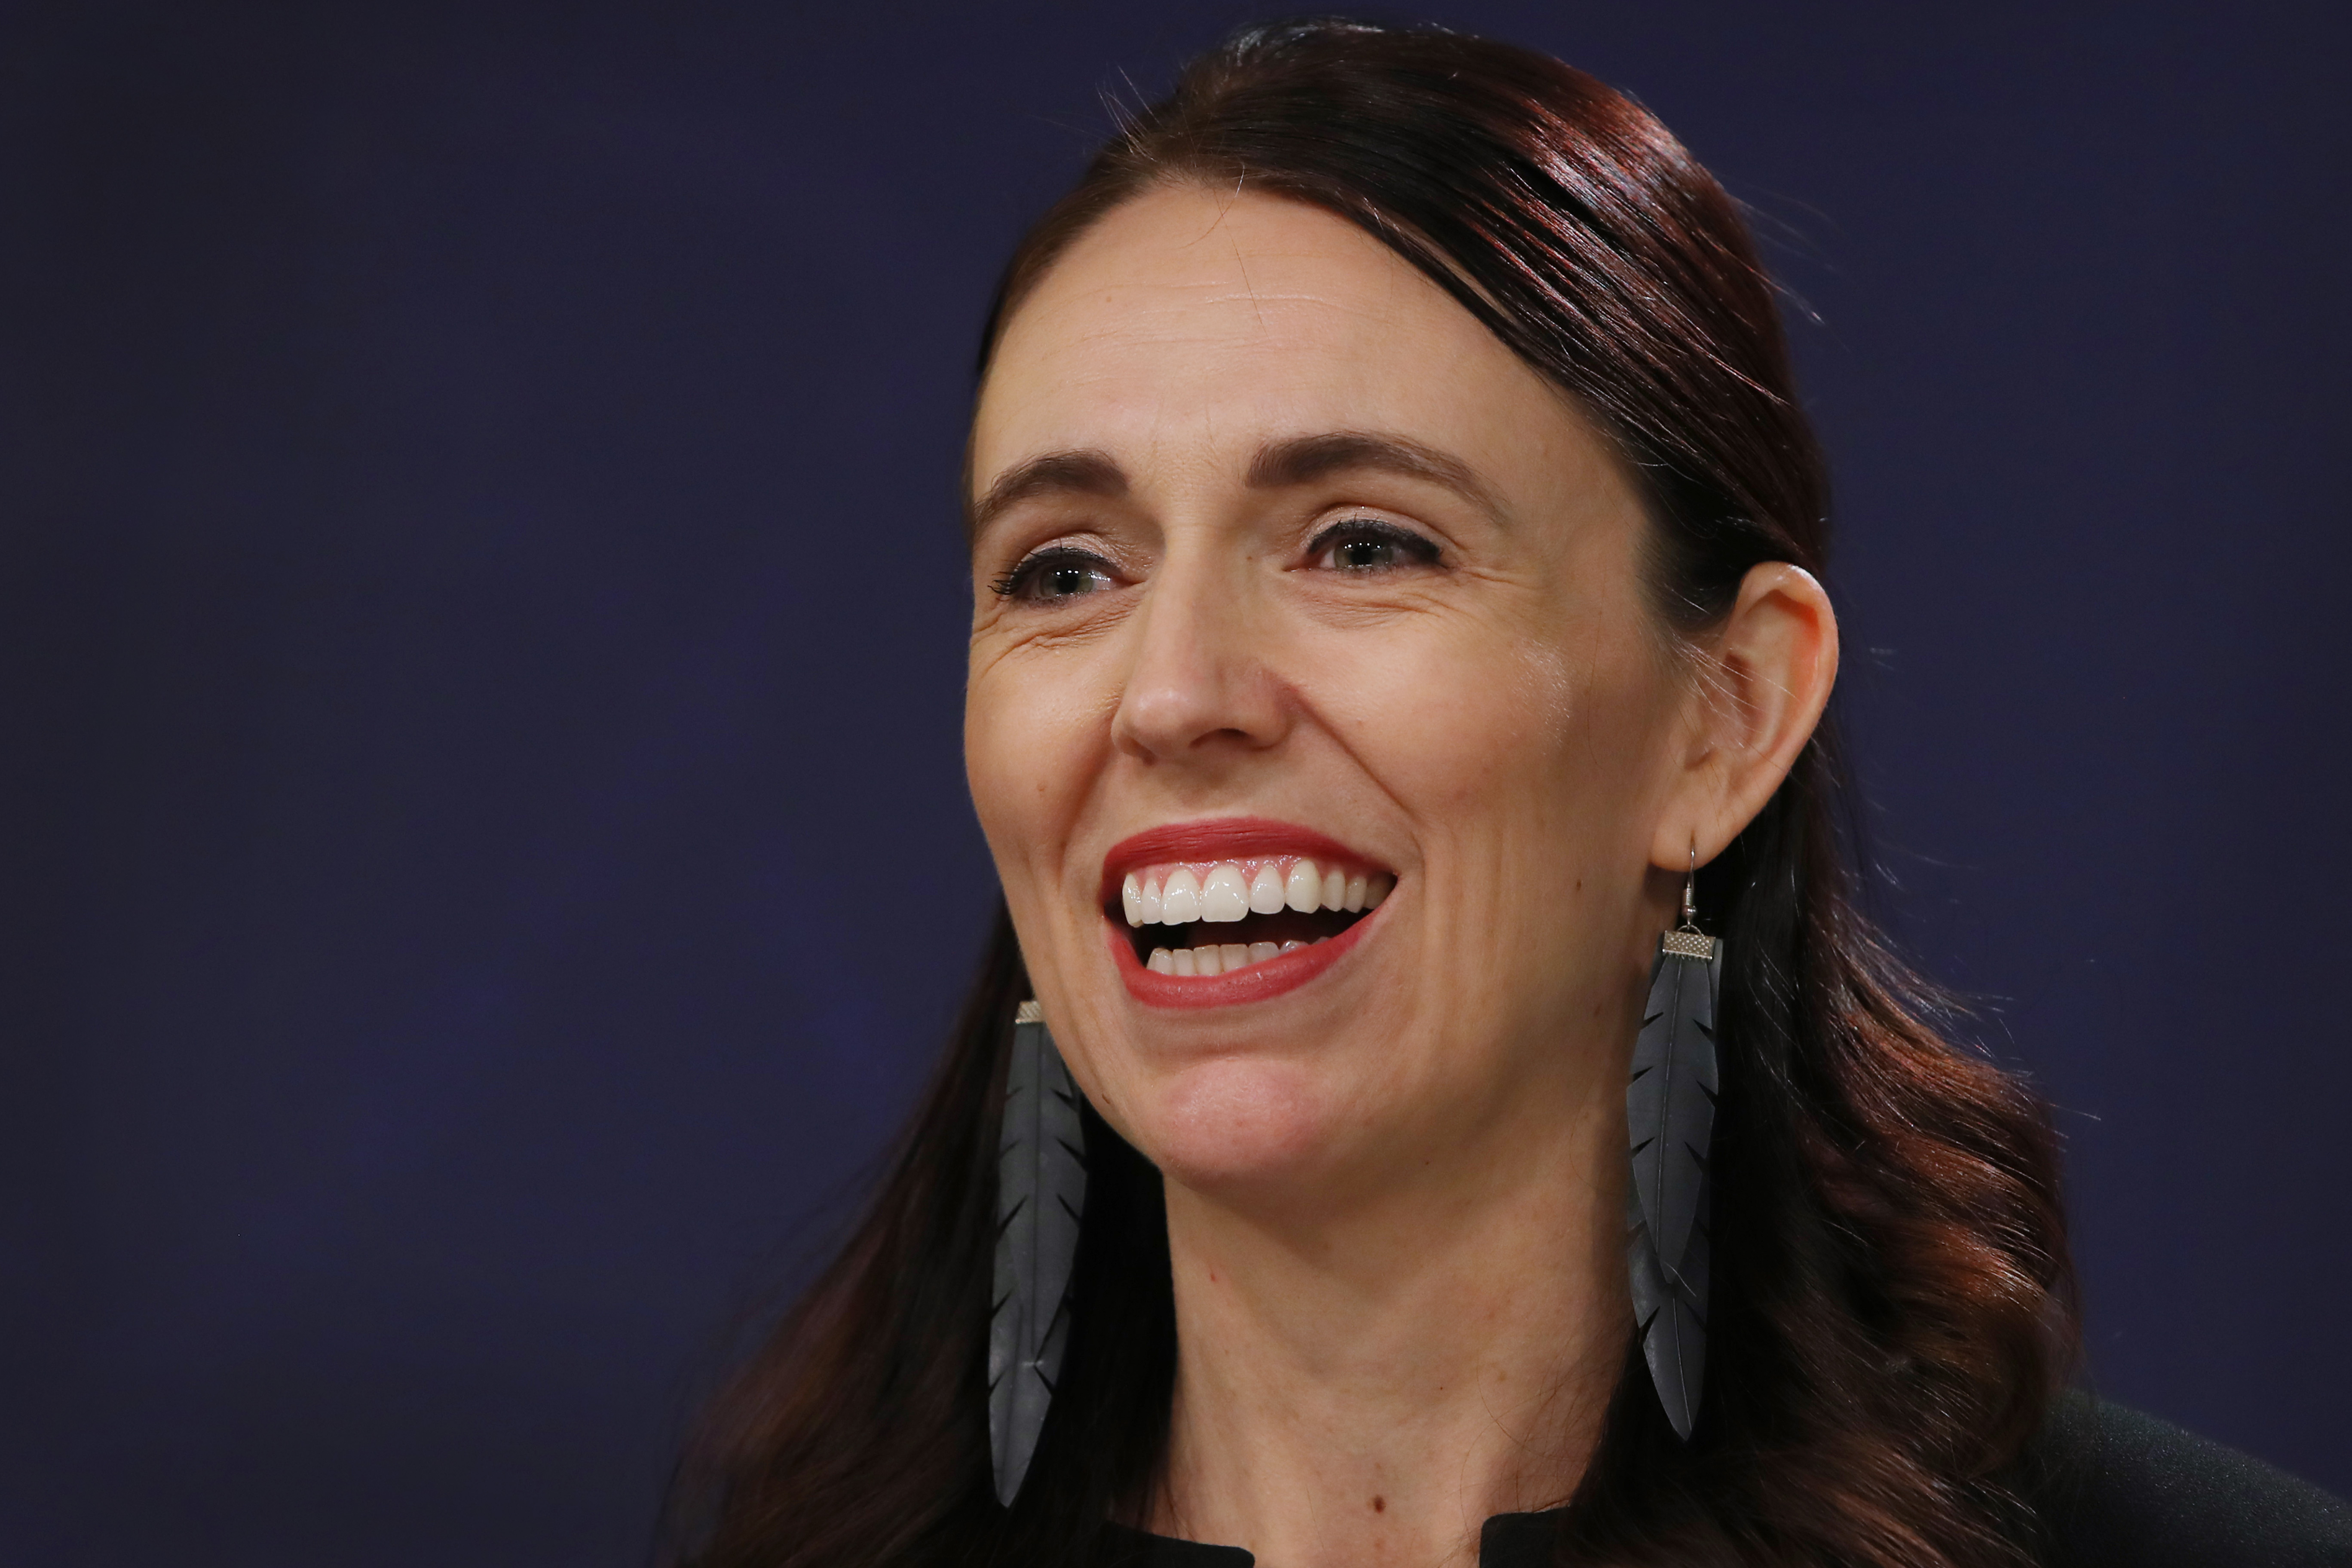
<point x="1670" y="1120"/>
<point x="1041" y="1196"/>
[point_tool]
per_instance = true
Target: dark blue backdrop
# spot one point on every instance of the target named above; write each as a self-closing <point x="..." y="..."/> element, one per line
<point x="486" y="853"/>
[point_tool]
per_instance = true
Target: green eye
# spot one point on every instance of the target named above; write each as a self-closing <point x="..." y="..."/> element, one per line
<point x="1055" y="577"/>
<point x="1366" y="544"/>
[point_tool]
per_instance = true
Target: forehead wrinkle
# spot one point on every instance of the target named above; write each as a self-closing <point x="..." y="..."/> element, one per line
<point x="1124" y="310"/>
<point x="1257" y="305"/>
<point x="1192" y="319"/>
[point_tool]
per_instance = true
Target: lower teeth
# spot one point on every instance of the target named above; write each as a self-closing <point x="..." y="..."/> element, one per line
<point x="1221" y="958"/>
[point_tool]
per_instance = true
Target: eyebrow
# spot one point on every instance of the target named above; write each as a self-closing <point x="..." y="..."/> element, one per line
<point x="1303" y="460"/>
<point x="1087" y="472"/>
<point x="1279" y="465"/>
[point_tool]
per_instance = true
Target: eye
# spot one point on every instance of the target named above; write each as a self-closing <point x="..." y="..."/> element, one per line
<point x="1365" y="544"/>
<point x="1056" y="576"/>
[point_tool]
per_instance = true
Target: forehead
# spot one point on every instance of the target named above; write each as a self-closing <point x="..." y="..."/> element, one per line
<point x="1190" y="326"/>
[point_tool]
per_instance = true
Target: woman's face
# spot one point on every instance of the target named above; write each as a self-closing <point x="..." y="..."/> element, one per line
<point x="1281" y="558"/>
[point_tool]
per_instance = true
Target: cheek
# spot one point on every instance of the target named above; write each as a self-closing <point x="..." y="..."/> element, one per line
<point x="1020" y="755"/>
<point x="1034" y="746"/>
<point x="1468" y="730"/>
<point x="1525" y="757"/>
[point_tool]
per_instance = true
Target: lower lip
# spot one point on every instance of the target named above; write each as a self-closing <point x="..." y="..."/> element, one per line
<point x="1254" y="982"/>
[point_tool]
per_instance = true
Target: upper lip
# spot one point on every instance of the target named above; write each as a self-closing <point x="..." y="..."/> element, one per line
<point x="1224" y="838"/>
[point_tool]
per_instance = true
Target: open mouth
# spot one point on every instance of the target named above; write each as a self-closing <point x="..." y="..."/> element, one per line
<point x="1207" y="918"/>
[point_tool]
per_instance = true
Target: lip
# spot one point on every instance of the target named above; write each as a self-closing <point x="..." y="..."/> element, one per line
<point x="1227" y="838"/>
<point x="1259" y="982"/>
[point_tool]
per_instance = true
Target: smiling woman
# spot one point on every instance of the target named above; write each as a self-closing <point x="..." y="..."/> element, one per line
<point x="1429" y="1100"/>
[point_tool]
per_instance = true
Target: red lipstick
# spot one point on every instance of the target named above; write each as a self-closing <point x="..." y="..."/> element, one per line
<point x="1258" y="983"/>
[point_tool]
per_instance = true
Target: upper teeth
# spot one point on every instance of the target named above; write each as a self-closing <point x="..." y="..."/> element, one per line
<point x="1231" y="890"/>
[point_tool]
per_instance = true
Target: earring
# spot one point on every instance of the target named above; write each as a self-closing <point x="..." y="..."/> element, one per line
<point x="1041" y="1196"/>
<point x="1670" y="1117"/>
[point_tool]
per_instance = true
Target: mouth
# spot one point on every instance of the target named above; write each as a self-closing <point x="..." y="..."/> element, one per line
<point x="1255" y="906"/>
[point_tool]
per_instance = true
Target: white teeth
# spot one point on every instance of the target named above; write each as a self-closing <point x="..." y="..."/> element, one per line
<point x="1224" y="895"/>
<point x="1230" y="892"/>
<point x="1303" y="891"/>
<point x="1179" y="900"/>
<point x="1218" y="958"/>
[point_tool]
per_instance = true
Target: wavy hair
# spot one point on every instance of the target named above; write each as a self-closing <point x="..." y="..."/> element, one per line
<point x="1892" y="1305"/>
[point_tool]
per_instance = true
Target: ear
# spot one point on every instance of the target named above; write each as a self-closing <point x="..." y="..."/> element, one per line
<point x="1765" y="675"/>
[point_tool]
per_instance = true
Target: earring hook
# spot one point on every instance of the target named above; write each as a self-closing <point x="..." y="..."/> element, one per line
<point x="1690" y="890"/>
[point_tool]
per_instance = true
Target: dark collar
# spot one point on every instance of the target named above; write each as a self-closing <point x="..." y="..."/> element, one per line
<point x="1507" y="1541"/>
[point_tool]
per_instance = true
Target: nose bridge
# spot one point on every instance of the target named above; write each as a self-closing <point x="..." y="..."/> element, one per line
<point x="1198" y="673"/>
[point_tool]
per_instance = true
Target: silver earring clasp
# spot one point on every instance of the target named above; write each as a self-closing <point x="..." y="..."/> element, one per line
<point x="1686" y="941"/>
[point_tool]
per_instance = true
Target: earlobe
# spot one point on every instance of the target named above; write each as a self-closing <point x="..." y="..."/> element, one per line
<point x="1771" y="666"/>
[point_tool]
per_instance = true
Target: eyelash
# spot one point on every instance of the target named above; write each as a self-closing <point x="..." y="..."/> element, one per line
<point x="1021" y="580"/>
<point x="1417" y="549"/>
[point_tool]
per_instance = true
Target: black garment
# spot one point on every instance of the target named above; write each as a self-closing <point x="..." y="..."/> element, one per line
<point x="2113" y="1488"/>
<point x="2119" y="1489"/>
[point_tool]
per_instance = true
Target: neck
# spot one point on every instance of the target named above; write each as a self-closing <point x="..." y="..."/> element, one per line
<point x="1369" y="1386"/>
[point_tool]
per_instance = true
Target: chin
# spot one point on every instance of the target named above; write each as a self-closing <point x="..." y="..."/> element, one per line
<point x="1225" y="1125"/>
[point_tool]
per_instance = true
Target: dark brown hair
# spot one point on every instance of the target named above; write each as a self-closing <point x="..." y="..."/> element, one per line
<point x="1891" y="1311"/>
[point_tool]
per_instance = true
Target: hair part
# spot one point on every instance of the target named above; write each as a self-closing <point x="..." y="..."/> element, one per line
<point x="1892" y="1305"/>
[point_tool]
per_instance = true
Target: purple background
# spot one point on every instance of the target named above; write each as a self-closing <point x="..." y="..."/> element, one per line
<point x="486" y="859"/>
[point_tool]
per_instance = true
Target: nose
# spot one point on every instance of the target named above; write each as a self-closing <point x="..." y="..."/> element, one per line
<point x="1200" y="686"/>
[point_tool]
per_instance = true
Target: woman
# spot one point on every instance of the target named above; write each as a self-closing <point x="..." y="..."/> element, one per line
<point x="1395" y="709"/>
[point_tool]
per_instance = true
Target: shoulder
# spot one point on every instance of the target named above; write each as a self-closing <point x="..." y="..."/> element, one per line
<point x="2116" y="1488"/>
